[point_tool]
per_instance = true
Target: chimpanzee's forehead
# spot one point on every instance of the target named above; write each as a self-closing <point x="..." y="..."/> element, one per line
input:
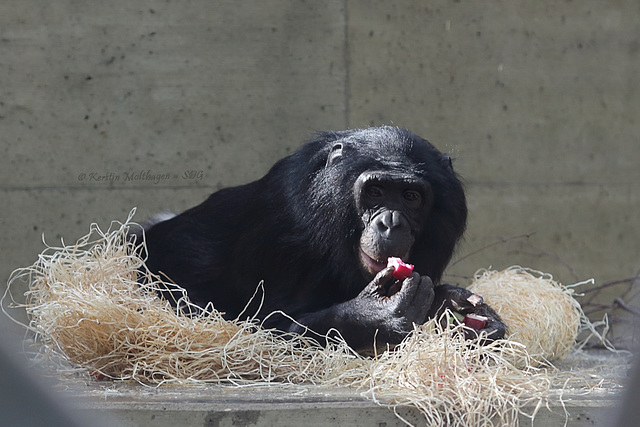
<point x="391" y="140"/>
<point x="385" y="136"/>
<point x="396" y="149"/>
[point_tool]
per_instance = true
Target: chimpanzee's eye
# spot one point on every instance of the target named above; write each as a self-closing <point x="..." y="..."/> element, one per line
<point x="411" y="196"/>
<point x="374" y="191"/>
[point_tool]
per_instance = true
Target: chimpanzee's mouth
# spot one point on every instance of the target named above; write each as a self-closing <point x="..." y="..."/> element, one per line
<point x="372" y="265"/>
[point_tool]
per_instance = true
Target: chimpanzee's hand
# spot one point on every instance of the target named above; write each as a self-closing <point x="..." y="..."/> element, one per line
<point x="391" y="306"/>
<point x="384" y="311"/>
<point x="464" y="301"/>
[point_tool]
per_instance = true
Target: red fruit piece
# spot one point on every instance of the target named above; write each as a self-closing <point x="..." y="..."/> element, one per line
<point x="401" y="270"/>
<point x="475" y="321"/>
<point x="475" y="300"/>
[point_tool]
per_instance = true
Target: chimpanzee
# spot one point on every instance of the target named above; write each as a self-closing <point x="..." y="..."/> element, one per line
<point x="318" y="229"/>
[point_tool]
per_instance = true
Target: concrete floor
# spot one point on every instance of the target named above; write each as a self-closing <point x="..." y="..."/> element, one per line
<point x="130" y="404"/>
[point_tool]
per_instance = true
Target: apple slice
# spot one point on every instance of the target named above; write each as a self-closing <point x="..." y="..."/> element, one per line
<point x="475" y="321"/>
<point x="401" y="270"/>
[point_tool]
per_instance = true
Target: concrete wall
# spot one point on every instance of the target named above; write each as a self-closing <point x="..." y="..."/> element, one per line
<point x="538" y="102"/>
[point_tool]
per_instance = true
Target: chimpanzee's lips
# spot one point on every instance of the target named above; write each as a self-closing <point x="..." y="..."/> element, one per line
<point x="372" y="265"/>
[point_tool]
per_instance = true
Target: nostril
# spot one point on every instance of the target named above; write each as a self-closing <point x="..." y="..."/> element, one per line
<point x="382" y="225"/>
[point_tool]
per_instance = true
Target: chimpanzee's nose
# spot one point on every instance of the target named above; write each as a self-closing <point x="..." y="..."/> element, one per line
<point x="388" y="221"/>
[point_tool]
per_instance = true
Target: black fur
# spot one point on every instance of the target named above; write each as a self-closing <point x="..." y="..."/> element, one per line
<point x="298" y="229"/>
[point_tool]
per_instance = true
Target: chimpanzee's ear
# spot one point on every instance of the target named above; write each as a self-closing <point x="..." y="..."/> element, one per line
<point x="334" y="154"/>
<point x="446" y="160"/>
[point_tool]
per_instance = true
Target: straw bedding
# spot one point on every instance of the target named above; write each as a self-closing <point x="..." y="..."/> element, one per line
<point x="87" y="307"/>
<point x="541" y="314"/>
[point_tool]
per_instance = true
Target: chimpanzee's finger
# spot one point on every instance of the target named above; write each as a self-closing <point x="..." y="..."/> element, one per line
<point x="421" y="301"/>
<point x="378" y="282"/>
